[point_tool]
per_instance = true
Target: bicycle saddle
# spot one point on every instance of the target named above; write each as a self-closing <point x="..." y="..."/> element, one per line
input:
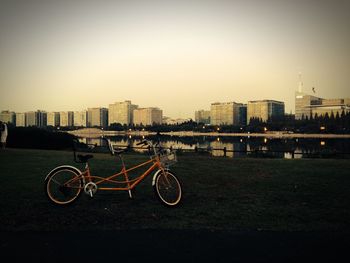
<point x="84" y="158"/>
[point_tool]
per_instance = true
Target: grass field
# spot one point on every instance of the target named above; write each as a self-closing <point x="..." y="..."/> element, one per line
<point x="219" y="194"/>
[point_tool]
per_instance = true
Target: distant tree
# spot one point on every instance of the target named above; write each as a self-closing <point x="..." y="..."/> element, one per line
<point x="116" y="127"/>
<point x="38" y="138"/>
<point x="337" y="117"/>
<point x="326" y="116"/>
<point x="342" y="114"/>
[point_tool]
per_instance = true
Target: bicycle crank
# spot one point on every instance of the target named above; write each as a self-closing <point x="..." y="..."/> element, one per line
<point x="90" y="189"/>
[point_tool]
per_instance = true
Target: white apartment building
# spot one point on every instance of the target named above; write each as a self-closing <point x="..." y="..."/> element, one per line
<point x="121" y="112"/>
<point x="227" y="113"/>
<point x="148" y="116"/>
<point x="97" y="117"/>
<point x="80" y="118"/>
<point x="66" y="118"/>
<point x="20" y="119"/>
<point x="265" y="109"/>
<point x="36" y="118"/>
<point x="8" y="117"/>
<point x="202" y="116"/>
<point x="53" y="119"/>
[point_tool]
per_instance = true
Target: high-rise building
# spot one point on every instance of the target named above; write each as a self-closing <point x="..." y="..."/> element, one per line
<point x="264" y="109"/>
<point x="80" y="118"/>
<point x="53" y="119"/>
<point x="31" y="118"/>
<point x="66" y="118"/>
<point x="97" y="117"/>
<point x="121" y="112"/>
<point x="42" y="118"/>
<point x="148" y="116"/>
<point x="227" y="113"/>
<point x="202" y="116"/>
<point x="20" y="119"/>
<point x="36" y="118"/>
<point x="8" y="117"/>
<point x="242" y="114"/>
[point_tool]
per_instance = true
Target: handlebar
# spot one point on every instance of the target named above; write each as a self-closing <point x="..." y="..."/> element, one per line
<point x="149" y="143"/>
<point x="75" y="143"/>
<point x="144" y="142"/>
<point x="109" y="144"/>
<point x="111" y="148"/>
<point x="152" y="147"/>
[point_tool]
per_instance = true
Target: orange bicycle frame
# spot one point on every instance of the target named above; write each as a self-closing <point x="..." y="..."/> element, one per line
<point x="86" y="175"/>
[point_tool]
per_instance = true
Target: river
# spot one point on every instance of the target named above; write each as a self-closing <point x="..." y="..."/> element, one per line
<point x="238" y="146"/>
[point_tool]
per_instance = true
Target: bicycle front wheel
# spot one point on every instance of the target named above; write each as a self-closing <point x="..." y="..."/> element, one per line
<point x="63" y="185"/>
<point x="167" y="188"/>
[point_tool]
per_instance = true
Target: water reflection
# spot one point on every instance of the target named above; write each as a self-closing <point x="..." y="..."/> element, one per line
<point x="234" y="149"/>
<point x="237" y="146"/>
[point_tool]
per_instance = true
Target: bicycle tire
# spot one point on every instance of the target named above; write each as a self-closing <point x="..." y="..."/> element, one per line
<point x="167" y="188"/>
<point x="56" y="190"/>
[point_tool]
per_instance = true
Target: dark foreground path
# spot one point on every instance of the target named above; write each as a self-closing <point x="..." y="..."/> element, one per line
<point x="175" y="245"/>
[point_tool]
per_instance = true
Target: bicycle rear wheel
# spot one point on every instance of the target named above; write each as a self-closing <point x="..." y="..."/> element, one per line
<point x="63" y="185"/>
<point x="168" y="188"/>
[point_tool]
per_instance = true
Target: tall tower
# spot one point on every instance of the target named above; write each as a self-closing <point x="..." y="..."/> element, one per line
<point x="304" y="103"/>
<point x="300" y="86"/>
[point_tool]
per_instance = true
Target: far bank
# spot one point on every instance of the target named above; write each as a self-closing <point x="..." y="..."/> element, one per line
<point x="94" y="133"/>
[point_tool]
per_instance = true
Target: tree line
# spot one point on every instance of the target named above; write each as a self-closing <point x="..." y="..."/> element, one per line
<point x="51" y="138"/>
<point x="328" y="123"/>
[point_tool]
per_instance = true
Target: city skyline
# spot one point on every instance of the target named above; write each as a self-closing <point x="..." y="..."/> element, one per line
<point x="221" y="113"/>
<point x="180" y="56"/>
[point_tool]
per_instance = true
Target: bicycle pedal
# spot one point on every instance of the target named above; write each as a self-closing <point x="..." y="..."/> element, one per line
<point x="90" y="189"/>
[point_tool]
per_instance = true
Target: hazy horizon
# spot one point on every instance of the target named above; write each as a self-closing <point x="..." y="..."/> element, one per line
<point x="180" y="56"/>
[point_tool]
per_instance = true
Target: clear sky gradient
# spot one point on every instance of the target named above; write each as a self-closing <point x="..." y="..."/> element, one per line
<point x="178" y="55"/>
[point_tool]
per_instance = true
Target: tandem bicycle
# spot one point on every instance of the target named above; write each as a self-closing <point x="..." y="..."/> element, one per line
<point x="65" y="183"/>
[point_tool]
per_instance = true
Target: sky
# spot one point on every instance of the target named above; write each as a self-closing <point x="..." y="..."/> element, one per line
<point x="180" y="56"/>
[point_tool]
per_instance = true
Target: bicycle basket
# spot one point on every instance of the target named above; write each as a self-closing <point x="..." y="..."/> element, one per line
<point x="168" y="158"/>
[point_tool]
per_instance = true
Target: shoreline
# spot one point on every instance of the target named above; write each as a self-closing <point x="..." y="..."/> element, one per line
<point x="95" y="133"/>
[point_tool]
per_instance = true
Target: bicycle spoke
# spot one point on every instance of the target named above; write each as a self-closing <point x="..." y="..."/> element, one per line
<point x="65" y="192"/>
<point x="168" y="189"/>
